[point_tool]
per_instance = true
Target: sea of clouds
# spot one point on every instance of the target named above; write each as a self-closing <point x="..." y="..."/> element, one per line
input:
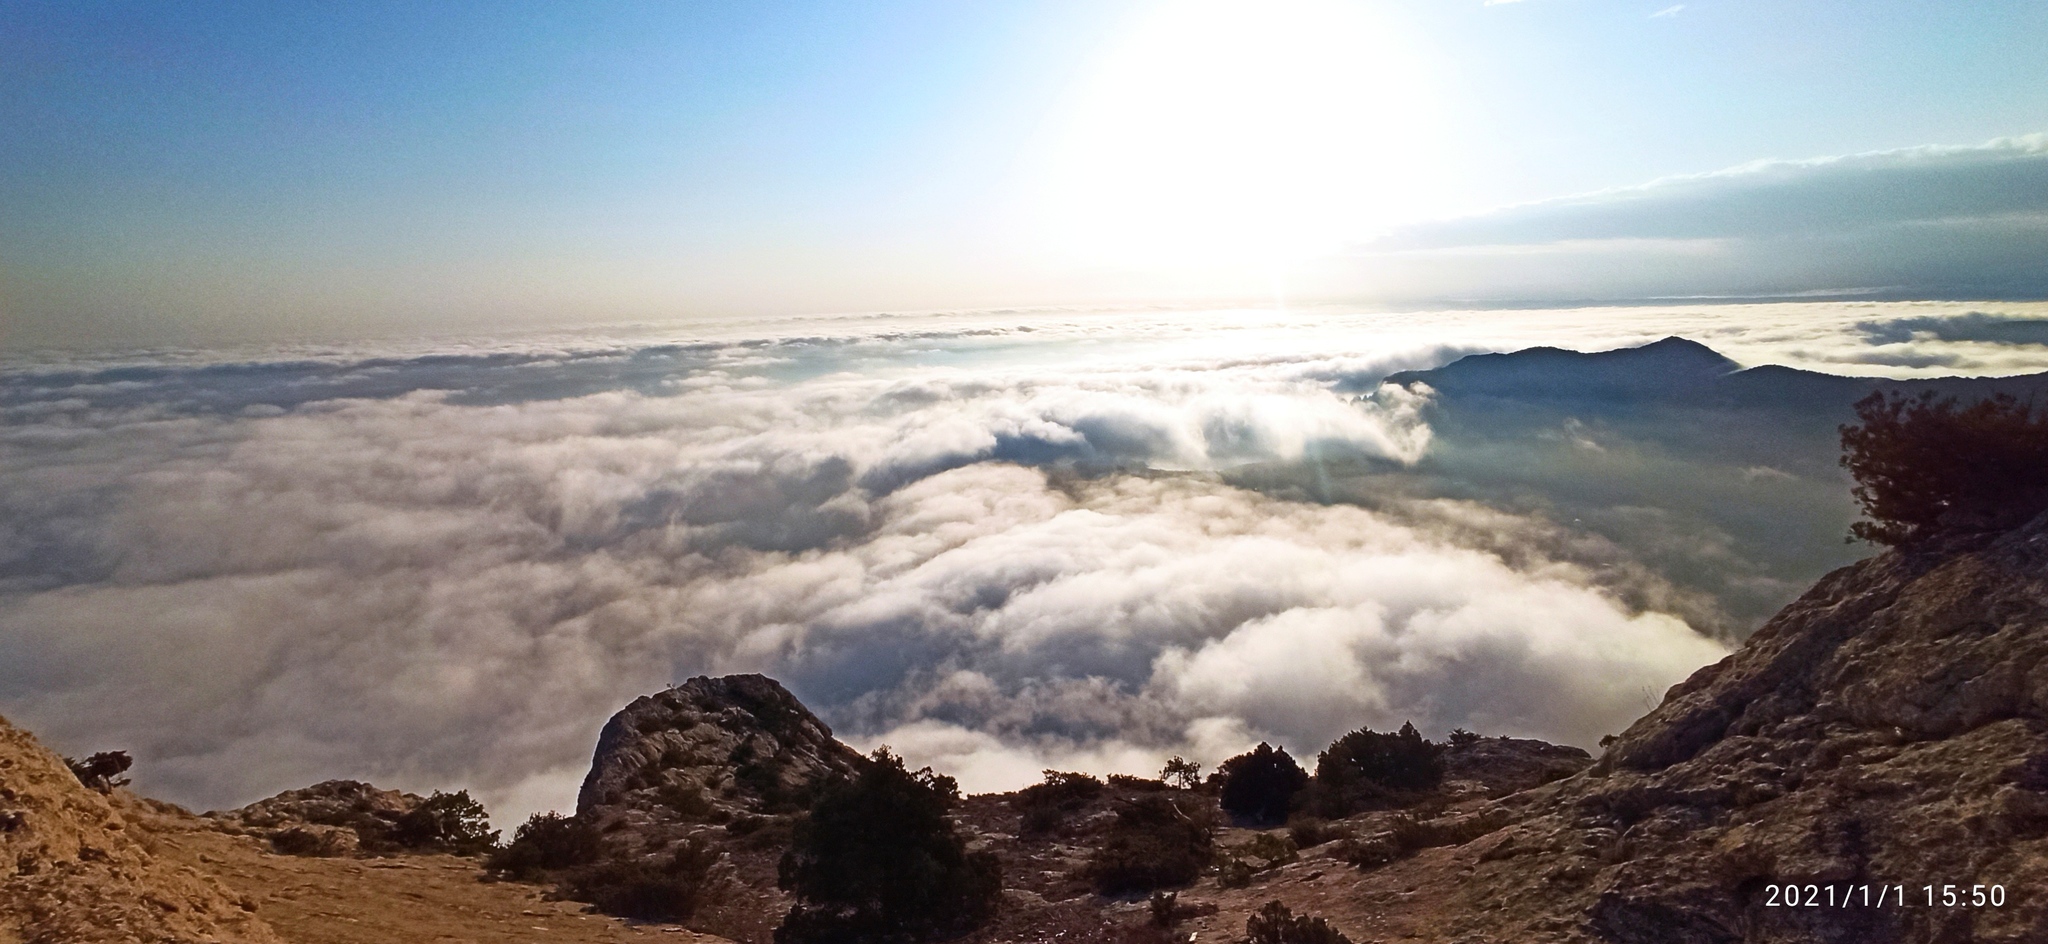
<point x="997" y="543"/>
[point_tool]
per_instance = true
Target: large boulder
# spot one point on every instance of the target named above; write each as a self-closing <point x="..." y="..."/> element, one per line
<point x="710" y="749"/>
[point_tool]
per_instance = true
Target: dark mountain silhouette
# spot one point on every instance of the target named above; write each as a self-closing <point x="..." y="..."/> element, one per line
<point x="1681" y="373"/>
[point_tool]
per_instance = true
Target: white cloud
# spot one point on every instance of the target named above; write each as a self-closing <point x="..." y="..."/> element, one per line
<point x="1032" y="560"/>
<point x="1668" y="12"/>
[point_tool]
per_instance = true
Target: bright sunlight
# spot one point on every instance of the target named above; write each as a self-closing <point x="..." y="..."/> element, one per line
<point x="1226" y="132"/>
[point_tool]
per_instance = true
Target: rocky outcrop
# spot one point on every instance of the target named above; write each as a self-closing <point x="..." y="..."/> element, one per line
<point x="334" y="817"/>
<point x="725" y="764"/>
<point x="709" y="750"/>
<point x="75" y="868"/>
<point x="1503" y="765"/>
<point x="1888" y="731"/>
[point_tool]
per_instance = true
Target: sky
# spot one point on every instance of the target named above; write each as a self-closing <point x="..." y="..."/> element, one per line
<point x="217" y="172"/>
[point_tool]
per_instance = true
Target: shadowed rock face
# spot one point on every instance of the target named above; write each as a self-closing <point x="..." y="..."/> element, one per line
<point x="1888" y="728"/>
<point x="711" y="749"/>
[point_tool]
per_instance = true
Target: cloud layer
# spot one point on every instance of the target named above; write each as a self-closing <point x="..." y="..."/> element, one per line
<point x="995" y="552"/>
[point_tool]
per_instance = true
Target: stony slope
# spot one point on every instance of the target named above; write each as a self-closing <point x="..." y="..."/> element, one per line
<point x="1888" y="728"/>
<point x="74" y="868"/>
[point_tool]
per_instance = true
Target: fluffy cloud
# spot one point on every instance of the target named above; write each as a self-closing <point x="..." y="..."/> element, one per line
<point x="995" y="551"/>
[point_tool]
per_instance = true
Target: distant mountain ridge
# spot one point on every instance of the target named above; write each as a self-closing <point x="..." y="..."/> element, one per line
<point x="1678" y="371"/>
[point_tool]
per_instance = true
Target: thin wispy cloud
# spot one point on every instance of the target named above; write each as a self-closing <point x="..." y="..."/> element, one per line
<point x="1669" y="11"/>
<point x="1936" y="221"/>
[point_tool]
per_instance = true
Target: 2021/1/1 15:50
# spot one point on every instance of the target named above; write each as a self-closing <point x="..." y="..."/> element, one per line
<point x="1875" y="896"/>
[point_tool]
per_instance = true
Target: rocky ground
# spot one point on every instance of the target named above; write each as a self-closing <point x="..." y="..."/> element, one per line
<point x="78" y="866"/>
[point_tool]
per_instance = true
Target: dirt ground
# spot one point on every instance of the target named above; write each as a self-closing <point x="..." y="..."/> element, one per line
<point x="412" y="899"/>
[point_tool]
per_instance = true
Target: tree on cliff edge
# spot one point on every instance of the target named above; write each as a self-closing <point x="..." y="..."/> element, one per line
<point x="1925" y="466"/>
<point x="876" y="860"/>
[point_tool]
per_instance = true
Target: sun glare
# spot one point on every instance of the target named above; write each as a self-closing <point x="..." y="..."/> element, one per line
<point x="1248" y="133"/>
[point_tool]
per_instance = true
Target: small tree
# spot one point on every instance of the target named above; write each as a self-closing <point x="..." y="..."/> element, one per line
<point x="446" y="822"/>
<point x="876" y="860"/>
<point x="1258" y="786"/>
<point x="1924" y="465"/>
<point x="1182" y="773"/>
<point x="102" y="771"/>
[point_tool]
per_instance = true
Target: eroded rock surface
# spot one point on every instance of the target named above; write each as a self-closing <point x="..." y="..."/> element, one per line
<point x="342" y="817"/>
<point x="729" y="763"/>
<point x="709" y="750"/>
<point x="1888" y="729"/>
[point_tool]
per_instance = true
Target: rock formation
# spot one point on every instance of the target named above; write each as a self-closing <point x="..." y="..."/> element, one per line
<point x="1498" y="766"/>
<point x="334" y="817"/>
<point x="1888" y="730"/>
<point x="726" y="764"/>
<point x="710" y="750"/>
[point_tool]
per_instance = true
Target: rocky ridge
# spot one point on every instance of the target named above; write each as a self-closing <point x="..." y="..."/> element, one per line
<point x="1888" y="729"/>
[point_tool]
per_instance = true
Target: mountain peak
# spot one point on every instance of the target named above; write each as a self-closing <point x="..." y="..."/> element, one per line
<point x="1661" y="370"/>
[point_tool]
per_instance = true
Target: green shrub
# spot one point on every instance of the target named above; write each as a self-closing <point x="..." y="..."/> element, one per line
<point x="667" y="888"/>
<point x="1258" y="786"/>
<point x="1158" y="841"/>
<point x="1234" y="872"/>
<point x="1925" y="466"/>
<point x="1270" y="849"/>
<point x="876" y="859"/>
<point x="1276" y="924"/>
<point x="446" y="822"/>
<point x="1463" y="738"/>
<point x="1047" y="805"/>
<point x="1138" y="784"/>
<point x="546" y="842"/>
<point x="1366" y="769"/>
<point x="686" y="798"/>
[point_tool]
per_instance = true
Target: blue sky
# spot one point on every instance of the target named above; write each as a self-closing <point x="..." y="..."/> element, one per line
<point x="214" y="171"/>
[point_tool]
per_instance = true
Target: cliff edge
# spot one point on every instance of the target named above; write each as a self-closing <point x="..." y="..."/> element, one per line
<point x="1886" y="732"/>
